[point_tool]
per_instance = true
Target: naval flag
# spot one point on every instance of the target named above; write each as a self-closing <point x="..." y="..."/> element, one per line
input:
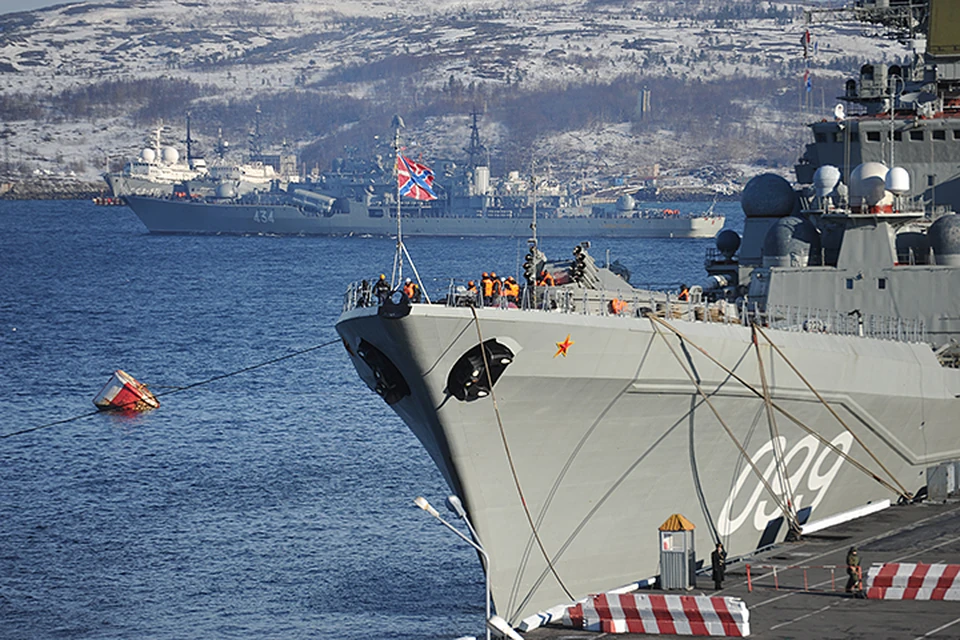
<point x="414" y="180"/>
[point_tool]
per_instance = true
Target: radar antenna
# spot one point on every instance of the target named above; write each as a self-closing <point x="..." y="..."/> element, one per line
<point x="476" y="152"/>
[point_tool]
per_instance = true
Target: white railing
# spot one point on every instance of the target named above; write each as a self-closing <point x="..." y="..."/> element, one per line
<point x="634" y="303"/>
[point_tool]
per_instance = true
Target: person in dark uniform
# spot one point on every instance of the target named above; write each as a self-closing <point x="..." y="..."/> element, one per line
<point x="718" y="562"/>
<point x="853" y="571"/>
<point x="382" y="288"/>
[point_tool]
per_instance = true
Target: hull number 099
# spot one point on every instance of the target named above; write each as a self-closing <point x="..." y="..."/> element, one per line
<point x="811" y="470"/>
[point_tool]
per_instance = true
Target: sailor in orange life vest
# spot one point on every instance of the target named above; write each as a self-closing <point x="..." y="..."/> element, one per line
<point x="546" y="279"/>
<point x="486" y="287"/>
<point x="411" y="290"/>
<point x="511" y="290"/>
<point x="684" y="293"/>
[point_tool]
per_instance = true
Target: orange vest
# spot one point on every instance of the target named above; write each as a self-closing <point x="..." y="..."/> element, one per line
<point x="487" y="287"/>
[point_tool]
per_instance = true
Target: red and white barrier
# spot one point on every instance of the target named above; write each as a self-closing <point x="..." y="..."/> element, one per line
<point x="660" y="614"/>
<point x="913" y="582"/>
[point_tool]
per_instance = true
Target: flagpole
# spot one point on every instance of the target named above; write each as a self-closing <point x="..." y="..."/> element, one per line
<point x="397" y="276"/>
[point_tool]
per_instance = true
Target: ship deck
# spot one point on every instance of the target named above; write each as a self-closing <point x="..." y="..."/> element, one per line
<point x="927" y="532"/>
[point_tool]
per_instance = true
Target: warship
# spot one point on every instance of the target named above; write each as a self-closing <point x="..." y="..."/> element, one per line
<point x="156" y="171"/>
<point x="811" y="378"/>
<point x="358" y="197"/>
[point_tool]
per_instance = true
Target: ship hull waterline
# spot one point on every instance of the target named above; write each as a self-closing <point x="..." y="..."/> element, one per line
<point x="611" y="439"/>
<point x="165" y="216"/>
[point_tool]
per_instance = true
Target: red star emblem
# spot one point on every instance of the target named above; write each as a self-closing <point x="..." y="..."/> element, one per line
<point x="563" y="346"/>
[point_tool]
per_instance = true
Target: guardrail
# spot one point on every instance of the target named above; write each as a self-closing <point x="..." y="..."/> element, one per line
<point x="635" y="303"/>
<point x="791" y="575"/>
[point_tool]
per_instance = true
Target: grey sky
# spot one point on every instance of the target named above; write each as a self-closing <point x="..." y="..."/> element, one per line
<point x="10" y="6"/>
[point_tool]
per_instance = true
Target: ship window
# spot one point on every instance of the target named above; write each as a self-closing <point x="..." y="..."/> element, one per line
<point x="939" y="135"/>
<point x="897" y="136"/>
<point x="849" y="283"/>
<point x="822" y="137"/>
<point x="838" y="136"/>
<point x="931" y="180"/>
<point x="873" y="136"/>
<point x="916" y="135"/>
<point x="956" y="134"/>
<point x="882" y="283"/>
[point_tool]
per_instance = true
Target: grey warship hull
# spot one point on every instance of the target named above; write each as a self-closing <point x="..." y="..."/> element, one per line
<point x="609" y="439"/>
<point x="164" y="215"/>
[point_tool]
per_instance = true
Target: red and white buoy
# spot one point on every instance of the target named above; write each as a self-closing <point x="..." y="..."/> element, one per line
<point x="123" y="393"/>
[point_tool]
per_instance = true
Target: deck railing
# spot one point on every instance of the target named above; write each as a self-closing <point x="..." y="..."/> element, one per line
<point x="634" y="303"/>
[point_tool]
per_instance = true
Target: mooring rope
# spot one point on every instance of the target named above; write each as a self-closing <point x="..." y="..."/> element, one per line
<point x="787" y="514"/>
<point x="513" y="467"/>
<point x="174" y="390"/>
<point x="903" y="490"/>
<point x="840" y="452"/>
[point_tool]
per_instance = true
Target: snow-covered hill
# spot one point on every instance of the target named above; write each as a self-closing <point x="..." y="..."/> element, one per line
<point x="388" y="56"/>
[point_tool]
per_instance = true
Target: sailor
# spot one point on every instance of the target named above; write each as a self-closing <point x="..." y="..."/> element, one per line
<point x="853" y="571"/>
<point x="411" y="290"/>
<point x="366" y="297"/>
<point x="718" y="562"/>
<point x="511" y="290"/>
<point x="546" y="279"/>
<point x="684" y="293"/>
<point x="382" y="288"/>
<point x="497" y="288"/>
<point x="618" y="306"/>
<point x="486" y="283"/>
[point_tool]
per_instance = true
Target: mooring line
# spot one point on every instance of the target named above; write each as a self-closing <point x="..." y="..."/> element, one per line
<point x="174" y="390"/>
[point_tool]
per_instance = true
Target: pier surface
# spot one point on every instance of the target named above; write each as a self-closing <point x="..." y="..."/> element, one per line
<point x="928" y="533"/>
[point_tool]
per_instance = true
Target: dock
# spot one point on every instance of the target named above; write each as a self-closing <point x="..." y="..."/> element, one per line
<point x="811" y="602"/>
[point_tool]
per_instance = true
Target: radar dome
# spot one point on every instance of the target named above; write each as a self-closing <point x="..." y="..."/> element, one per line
<point x="944" y="235"/>
<point x="868" y="184"/>
<point x="226" y="190"/>
<point x="768" y="196"/>
<point x="791" y="241"/>
<point x="148" y="155"/>
<point x="728" y="241"/>
<point x="825" y="179"/>
<point x="626" y="203"/>
<point x="898" y="181"/>
<point x="170" y="155"/>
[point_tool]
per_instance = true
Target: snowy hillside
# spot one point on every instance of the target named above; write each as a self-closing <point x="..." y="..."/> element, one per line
<point x="329" y="75"/>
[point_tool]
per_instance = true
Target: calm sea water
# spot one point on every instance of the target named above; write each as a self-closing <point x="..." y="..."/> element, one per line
<point x="274" y="503"/>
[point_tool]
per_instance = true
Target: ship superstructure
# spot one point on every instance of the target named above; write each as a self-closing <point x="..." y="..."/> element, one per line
<point x="905" y="115"/>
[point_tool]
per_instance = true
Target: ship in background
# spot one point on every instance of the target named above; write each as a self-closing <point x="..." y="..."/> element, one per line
<point x="813" y="377"/>
<point x="359" y="196"/>
<point x="899" y="115"/>
<point x="158" y="172"/>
